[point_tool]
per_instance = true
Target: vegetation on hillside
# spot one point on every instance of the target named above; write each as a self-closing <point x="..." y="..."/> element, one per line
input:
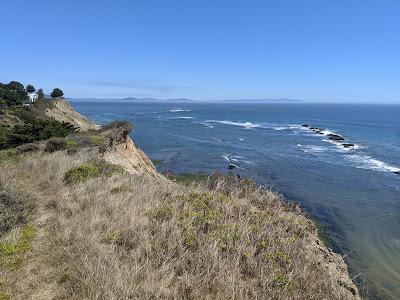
<point x="26" y="126"/>
<point x="91" y="169"/>
<point x="12" y="94"/>
<point x="125" y="236"/>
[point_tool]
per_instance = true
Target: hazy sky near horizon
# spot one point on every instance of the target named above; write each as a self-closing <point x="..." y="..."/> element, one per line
<point x="317" y="50"/>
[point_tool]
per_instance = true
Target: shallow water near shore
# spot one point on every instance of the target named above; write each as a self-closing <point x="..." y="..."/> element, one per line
<point x="353" y="191"/>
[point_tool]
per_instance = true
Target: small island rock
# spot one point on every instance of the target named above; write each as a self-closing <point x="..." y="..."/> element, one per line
<point x="335" y="137"/>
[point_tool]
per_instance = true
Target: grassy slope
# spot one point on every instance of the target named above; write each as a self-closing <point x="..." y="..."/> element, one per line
<point x="130" y="236"/>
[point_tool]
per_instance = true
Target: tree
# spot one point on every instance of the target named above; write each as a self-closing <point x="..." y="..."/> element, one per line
<point x="16" y="86"/>
<point x="30" y="88"/>
<point x="13" y="93"/>
<point x="40" y="94"/>
<point x="57" y="93"/>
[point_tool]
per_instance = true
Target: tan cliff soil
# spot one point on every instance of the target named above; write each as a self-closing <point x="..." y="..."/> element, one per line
<point x="120" y="149"/>
<point x="78" y="252"/>
<point x="61" y="110"/>
<point x="133" y="159"/>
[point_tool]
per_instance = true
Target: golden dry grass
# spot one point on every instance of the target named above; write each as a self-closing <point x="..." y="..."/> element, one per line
<point x="133" y="237"/>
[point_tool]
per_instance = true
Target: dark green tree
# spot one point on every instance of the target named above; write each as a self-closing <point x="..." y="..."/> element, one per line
<point x="13" y="93"/>
<point x="30" y="88"/>
<point x="57" y="93"/>
<point x="40" y="94"/>
<point x="16" y="86"/>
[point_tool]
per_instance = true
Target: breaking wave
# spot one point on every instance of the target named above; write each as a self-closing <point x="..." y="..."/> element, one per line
<point x="178" y="110"/>
<point x="368" y="162"/>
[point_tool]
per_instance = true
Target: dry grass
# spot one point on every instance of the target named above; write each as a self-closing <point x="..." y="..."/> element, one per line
<point x="131" y="237"/>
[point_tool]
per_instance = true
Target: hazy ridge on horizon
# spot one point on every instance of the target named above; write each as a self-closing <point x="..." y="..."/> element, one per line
<point x="240" y="100"/>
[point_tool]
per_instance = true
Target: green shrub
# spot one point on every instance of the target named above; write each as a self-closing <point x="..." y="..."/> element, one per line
<point x="32" y="131"/>
<point x="71" y="145"/>
<point x="22" y="112"/>
<point x="97" y="140"/>
<point x="91" y="169"/>
<point x="4" y="136"/>
<point x="13" y="254"/>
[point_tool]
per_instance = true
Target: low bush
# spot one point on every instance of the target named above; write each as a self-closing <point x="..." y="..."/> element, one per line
<point x="31" y="147"/>
<point x="14" y="209"/>
<point x="97" y="140"/>
<point x="35" y="130"/>
<point x="91" y="169"/>
<point x="55" y="144"/>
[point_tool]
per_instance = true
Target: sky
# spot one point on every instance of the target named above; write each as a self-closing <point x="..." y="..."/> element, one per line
<point x="316" y="50"/>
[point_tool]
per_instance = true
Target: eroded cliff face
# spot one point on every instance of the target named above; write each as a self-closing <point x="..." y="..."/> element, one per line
<point x="121" y="150"/>
<point x="61" y="110"/>
<point x="118" y="147"/>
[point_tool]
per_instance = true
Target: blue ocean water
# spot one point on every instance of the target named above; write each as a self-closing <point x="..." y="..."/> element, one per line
<point x="353" y="192"/>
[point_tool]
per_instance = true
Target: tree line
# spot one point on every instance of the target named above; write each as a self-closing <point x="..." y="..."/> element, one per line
<point x="28" y="127"/>
<point x="14" y="93"/>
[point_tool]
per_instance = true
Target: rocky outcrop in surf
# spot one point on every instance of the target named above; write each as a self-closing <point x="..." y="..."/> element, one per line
<point x="331" y="136"/>
<point x="342" y="143"/>
<point x="335" y="137"/>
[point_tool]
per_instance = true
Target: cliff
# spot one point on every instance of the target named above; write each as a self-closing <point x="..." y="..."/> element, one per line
<point x="118" y="148"/>
<point x="88" y="217"/>
<point x="61" y="110"/>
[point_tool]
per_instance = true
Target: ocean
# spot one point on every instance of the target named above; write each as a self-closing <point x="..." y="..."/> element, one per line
<point x="353" y="193"/>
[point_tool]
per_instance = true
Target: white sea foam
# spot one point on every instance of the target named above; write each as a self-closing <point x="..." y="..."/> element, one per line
<point x="217" y="139"/>
<point x="208" y="125"/>
<point x="145" y="113"/>
<point x="180" y="118"/>
<point x="178" y="110"/>
<point x="280" y="128"/>
<point x="226" y="157"/>
<point x="311" y="148"/>
<point x="231" y="158"/>
<point x="241" y="124"/>
<point x="367" y="162"/>
<point x="240" y="139"/>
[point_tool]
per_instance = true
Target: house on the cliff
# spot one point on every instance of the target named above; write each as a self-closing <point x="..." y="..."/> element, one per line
<point x="33" y="97"/>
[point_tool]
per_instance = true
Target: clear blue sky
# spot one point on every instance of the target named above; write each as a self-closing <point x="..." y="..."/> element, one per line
<point x="318" y="50"/>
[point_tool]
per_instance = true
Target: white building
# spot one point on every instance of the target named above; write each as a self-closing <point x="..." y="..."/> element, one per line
<point x="33" y="97"/>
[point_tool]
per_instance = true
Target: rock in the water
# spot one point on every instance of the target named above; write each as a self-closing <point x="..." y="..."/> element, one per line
<point x="305" y="125"/>
<point x="335" y="137"/>
<point x="397" y="172"/>
<point x="232" y="166"/>
<point x="348" y="145"/>
<point x="317" y="130"/>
